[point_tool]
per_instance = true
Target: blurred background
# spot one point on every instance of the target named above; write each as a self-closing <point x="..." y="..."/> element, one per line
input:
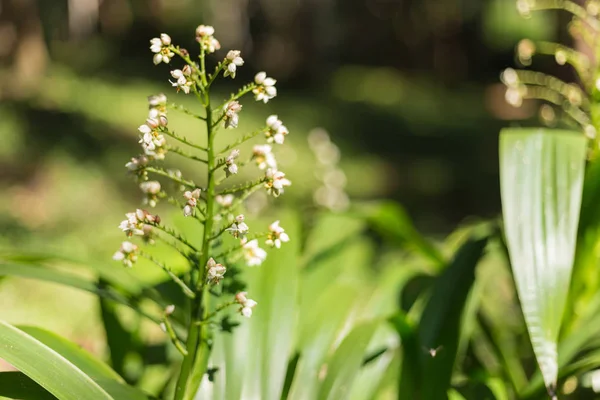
<point x="407" y="89"/>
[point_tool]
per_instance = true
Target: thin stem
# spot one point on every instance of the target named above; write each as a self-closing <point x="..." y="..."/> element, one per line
<point x="189" y="62"/>
<point x="169" y="330"/>
<point x="570" y="7"/>
<point x="243" y="139"/>
<point x="186" y="290"/>
<point x="220" y="232"/>
<point x="175" y="246"/>
<point x="214" y="76"/>
<point x="182" y="139"/>
<point x="180" y="205"/>
<point x="215" y="312"/>
<point x="175" y="235"/>
<point x="184" y="110"/>
<point x="239" y="201"/>
<point x="240" y="165"/>
<point x="244" y="90"/>
<point x="233" y="249"/>
<point x="166" y="174"/>
<point x="243" y="187"/>
<point x="184" y="153"/>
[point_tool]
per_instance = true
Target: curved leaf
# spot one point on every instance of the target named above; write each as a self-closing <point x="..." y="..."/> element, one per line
<point x="17" y="385"/>
<point x="541" y="185"/>
<point x="45" y="366"/>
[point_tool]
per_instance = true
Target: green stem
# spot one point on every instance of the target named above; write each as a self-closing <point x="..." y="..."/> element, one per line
<point x="246" y="89"/>
<point x="166" y="174"/>
<point x="242" y="187"/>
<point x="169" y="330"/>
<point x="185" y="154"/>
<point x="243" y="139"/>
<point x="185" y="111"/>
<point x="195" y="363"/>
<point x="186" y="290"/>
<point x="215" y="312"/>
<point x="183" y="140"/>
<point x="175" y="235"/>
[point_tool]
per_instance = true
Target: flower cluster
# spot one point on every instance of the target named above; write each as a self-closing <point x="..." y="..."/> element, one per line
<point x="127" y="254"/>
<point x="231" y="116"/>
<point x="183" y="79"/>
<point x="264" y="157"/>
<point x="276" y="131"/>
<point x="239" y="227"/>
<point x="232" y="61"/>
<point x="253" y="254"/>
<point x="276" y="235"/>
<point x="265" y="89"/>
<point x="214" y="271"/>
<point x="275" y="182"/>
<point x="161" y="49"/>
<point x="204" y="36"/>
<point x="225" y="200"/>
<point x="191" y="201"/>
<point x="153" y="142"/>
<point x="231" y="167"/>
<point x="152" y="190"/>
<point x="246" y="304"/>
<point x="136" y="223"/>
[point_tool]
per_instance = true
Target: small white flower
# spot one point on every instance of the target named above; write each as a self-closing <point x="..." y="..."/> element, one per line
<point x="232" y="61"/>
<point x="165" y="39"/>
<point x="253" y="254"/>
<point x="275" y="182"/>
<point x="136" y="163"/>
<point x="170" y="309"/>
<point x="276" y="235"/>
<point x="276" y="131"/>
<point x="205" y="30"/>
<point x="265" y="89"/>
<point x="231" y="110"/>
<point x="188" y="210"/>
<point x="225" y="200"/>
<point x="215" y="271"/>
<point x="160" y="48"/>
<point x="246" y="304"/>
<point x="181" y="79"/>
<point x="157" y="101"/>
<point x="192" y="199"/>
<point x="127" y="254"/>
<point x="131" y="226"/>
<point x="264" y="157"/>
<point x="156" y="45"/>
<point x="150" y="187"/>
<point x="230" y="166"/>
<point x="239" y="227"/>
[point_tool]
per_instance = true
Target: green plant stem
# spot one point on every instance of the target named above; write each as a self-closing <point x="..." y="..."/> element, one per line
<point x="241" y="140"/>
<point x="246" y="89"/>
<point x="185" y="154"/>
<point x="242" y="187"/>
<point x="164" y="173"/>
<point x="195" y="363"/>
<point x="176" y="236"/>
<point x="185" y="111"/>
<point x="173" y="336"/>
<point x="186" y="290"/>
<point x="233" y="249"/>
<point x="182" y="139"/>
<point x="215" y="312"/>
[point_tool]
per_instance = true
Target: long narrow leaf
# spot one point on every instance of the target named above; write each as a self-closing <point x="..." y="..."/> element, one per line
<point x="45" y="366"/>
<point x="541" y="183"/>
<point x="17" y="385"/>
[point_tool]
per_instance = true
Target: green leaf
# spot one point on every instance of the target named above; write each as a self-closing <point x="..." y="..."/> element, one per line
<point x="541" y="175"/>
<point x="392" y="221"/>
<point x="440" y="325"/>
<point x="46" y="274"/>
<point x="346" y="362"/>
<point x="45" y="366"/>
<point x="17" y="385"/>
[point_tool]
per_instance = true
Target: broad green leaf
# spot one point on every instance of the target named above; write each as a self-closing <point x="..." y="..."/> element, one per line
<point x="346" y="362"/>
<point x="541" y="175"/>
<point x="17" y="385"/>
<point x="440" y="325"/>
<point x="45" y="366"/>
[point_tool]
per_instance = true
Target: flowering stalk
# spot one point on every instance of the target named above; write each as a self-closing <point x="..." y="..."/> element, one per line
<point x="212" y="205"/>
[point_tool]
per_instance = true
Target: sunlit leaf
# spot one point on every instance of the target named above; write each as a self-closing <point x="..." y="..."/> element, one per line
<point x="541" y="175"/>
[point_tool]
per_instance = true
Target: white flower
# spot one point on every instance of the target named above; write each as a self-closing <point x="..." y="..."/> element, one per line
<point x="214" y="271"/>
<point x="275" y="182"/>
<point x="192" y="199"/>
<point x="181" y="79"/>
<point x="246" y="304"/>
<point x="205" y="30"/>
<point x="131" y="226"/>
<point x="160" y="48"/>
<point x="239" y="227"/>
<point x="225" y="200"/>
<point x="265" y="89"/>
<point x="151" y="187"/>
<point x="276" y="235"/>
<point x="170" y="309"/>
<point x="230" y="167"/>
<point x="136" y="163"/>
<point x="152" y="142"/>
<point x="253" y="254"/>
<point x="232" y="61"/>
<point x="231" y="114"/>
<point x="264" y="157"/>
<point x="127" y="254"/>
<point x="276" y="130"/>
<point x="156" y="101"/>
